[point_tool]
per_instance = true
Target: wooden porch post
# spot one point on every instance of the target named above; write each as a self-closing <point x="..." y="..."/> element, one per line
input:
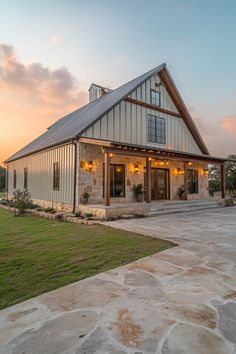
<point x="222" y="172"/>
<point x="185" y="180"/>
<point x="148" y="171"/>
<point x="107" y="178"/>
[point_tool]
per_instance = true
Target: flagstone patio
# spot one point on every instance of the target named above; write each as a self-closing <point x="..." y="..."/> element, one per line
<point x="180" y="301"/>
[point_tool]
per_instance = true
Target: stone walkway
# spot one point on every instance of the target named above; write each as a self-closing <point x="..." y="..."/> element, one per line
<point x="180" y="301"/>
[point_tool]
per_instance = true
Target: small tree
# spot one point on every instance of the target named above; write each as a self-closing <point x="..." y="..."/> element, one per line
<point x="230" y="174"/>
<point x="21" y="201"/>
<point x="2" y="178"/>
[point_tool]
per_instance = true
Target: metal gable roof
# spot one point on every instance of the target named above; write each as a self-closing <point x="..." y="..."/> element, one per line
<point x="75" y="123"/>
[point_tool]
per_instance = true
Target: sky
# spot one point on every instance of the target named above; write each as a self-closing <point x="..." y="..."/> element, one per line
<point x="51" y="51"/>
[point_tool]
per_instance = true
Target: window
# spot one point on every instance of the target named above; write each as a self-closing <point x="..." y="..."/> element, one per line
<point x="14" y="179"/>
<point x="56" y="176"/>
<point x="155" y="98"/>
<point x="156" y="129"/>
<point x="25" y="177"/>
<point x="192" y="181"/>
<point x="117" y="180"/>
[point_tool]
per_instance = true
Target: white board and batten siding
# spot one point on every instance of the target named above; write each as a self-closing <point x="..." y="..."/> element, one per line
<point x="40" y="174"/>
<point x="127" y="122"/>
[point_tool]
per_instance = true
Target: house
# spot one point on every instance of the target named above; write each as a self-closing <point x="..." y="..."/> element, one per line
<point x="141" y="132"/>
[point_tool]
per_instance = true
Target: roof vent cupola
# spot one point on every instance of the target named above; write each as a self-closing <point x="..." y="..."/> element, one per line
<point x="97" y="91"/>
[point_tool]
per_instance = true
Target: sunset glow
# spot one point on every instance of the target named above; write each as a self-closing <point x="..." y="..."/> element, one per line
<point x="49" y="59"/>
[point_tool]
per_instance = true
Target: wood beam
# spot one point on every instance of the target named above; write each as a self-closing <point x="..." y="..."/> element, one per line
<point x="222" y="172"/>
<point x="185" y="180"/>
<point x="94" y="141"/>
<point x="152" y="106"/>
<point x="148" y="172"/>
<point x="107" y="179"/>
<point x="156" y="155"/>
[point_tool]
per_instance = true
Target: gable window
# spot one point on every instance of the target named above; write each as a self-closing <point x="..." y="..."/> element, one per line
<point x="14" y="179"/>
<point x="192" y="181"/>
<point x="56" y="176"/>
<point x="117" y="180"/>
<point x="155" y="98"/>
<point x="25" y="177"/>
<point x="156" y="129"/>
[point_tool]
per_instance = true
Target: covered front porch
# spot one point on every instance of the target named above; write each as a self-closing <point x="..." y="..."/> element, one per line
<point x="161" y="172"/>
<point x="155" y="208"/>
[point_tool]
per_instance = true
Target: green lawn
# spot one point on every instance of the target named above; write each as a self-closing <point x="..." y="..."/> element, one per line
<point x="2" y="195"/>
<point x="38" y="255"/>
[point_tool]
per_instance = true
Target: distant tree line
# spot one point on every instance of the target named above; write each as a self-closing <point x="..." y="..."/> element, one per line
<point x="230" y="176"/>
<point x="2" y="178"/>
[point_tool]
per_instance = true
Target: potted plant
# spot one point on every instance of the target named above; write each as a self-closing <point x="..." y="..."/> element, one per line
<point x="21" y="201"/>
<point x="138" y="192"/>
<point x="181" y="192"/>
<point x="84" y="198"/>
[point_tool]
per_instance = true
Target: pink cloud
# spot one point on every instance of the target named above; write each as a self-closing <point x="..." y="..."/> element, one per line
<point x="32" y="98"/>
<point x="229" y="124"/>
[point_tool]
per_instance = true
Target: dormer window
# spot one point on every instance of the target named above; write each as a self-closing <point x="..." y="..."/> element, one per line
<point x="156" y="98"/>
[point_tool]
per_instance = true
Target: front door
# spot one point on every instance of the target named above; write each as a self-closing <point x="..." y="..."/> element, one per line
<point x="159" y="183"/>
<point x="160" y="186"/>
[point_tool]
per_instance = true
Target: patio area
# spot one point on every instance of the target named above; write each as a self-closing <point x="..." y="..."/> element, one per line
<point x="143" y="209"/>
<point x="182" y="300"/>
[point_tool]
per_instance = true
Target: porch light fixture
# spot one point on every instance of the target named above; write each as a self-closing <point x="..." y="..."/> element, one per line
<point x="190" y="163"/>
<point x="205" y="172"/>
<point x="111" y="155"/>
<point x="180" y="172"/>
<point x="137" y="169"/>
<point x="86" y="165"/>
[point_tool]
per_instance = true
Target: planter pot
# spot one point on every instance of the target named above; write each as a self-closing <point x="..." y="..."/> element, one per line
<point x="181" y="196"/>
<point x="139" y="197"/>
<point x="84" y="201"/>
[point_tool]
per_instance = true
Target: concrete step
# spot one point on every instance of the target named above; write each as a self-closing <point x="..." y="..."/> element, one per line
<point x="182" y="206"/>
<point x="179" y="211"/>
<point x="185" y="207"/>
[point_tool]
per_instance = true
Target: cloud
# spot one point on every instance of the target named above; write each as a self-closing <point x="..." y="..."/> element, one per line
<point x="32" y="98"/>
<point x="49" y="86"/>
<point x="229" y="124"/>
<point x="56" y="40"/>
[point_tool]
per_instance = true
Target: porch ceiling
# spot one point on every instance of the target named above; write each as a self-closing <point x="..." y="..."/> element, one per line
<point x="147" y="151"/>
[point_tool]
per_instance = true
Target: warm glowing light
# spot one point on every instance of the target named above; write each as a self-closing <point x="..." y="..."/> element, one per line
<point x="111" y="154"/>
<point x="137" y="169"/>
<point x="150" y="159"/>
<point x="161" y="163"/>
<point x="86" y="165"/>
<point x="179" y="172"/>
<point x="205" y="172"/>
<point x="190" y="163"/>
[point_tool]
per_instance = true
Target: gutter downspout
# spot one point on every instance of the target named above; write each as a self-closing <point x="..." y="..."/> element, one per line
<point x="75" y="176"/>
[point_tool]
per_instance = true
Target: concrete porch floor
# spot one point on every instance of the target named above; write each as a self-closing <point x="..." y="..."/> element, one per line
<point x="180" y="301"/>
<point x="146" y="209"/>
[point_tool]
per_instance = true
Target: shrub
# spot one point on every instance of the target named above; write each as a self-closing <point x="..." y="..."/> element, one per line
<point x="50" y="210"/>
<point x="181" y="191"/>
<point x="138" y="189"/>
<point x="229" y="202"/>
<point x="21" y="200"/>
<point x="88" y="215"/>
<point x="33" y="206"/>
<point x="78" y="214"/>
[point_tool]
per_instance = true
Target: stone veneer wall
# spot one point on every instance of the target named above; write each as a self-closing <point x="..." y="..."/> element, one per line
<point x="93" y="181"/>
<point x="59" y="206"/>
